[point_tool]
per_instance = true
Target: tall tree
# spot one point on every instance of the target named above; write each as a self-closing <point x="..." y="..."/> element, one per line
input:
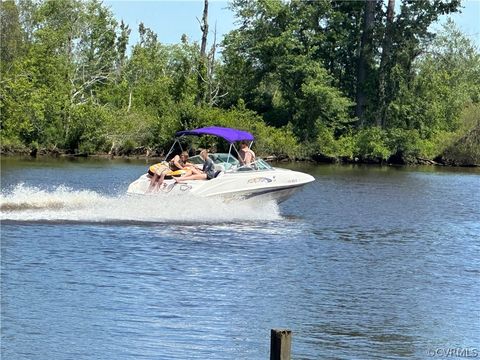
<point x="276" y="49"/>
<point x="96" y="53"/>
<point x="386" y="55"/>
<point x="446" y="83"/>
<point x="365" y="59"/>
<point x="409" y="35"/>
<point x="121" y="44"/>
<point x="341" y="26"/>
<point x="202" y="63"/>
<point x="10" y="34"/>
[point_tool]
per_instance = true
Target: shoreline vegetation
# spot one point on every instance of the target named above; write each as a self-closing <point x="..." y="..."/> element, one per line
<point x="323" y="81"/>
<point x="147" y="154"/>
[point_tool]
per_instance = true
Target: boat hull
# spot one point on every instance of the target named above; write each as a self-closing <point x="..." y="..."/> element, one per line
<point x="273" y="184"/>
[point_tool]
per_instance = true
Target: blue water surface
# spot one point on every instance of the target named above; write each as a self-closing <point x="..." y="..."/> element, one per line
<point x="364" y="263"/>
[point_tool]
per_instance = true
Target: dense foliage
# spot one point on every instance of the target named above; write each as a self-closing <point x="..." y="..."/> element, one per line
<point x="323" y="79"/>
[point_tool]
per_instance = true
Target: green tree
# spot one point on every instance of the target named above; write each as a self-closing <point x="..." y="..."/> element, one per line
<point x="10" y="35"/>
<point x="405" y="39"/>
<point x="445" y="84"/>
<point x="365" y="58"/>
<point x="282" y="77"/>
<point x="345" y="78"/>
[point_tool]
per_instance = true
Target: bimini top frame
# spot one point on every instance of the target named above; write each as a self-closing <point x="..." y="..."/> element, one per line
<point x="229" y="134"/>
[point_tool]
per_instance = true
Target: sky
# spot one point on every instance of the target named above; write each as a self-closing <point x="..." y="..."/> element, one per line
<point x="170" y="19"/>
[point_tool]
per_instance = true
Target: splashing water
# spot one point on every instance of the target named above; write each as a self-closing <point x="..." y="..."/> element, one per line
<point x="25" y="203"/>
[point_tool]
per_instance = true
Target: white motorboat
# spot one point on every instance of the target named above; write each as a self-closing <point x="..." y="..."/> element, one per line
<point x="233" y="181"/>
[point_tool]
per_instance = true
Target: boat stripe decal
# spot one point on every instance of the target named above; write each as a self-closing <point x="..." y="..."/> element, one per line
<point x="270" y="191"/>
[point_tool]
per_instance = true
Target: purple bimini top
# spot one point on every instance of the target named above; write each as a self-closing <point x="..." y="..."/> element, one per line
<point x="229" y="134"/>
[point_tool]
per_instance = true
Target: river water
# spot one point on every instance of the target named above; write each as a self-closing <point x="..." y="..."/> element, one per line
<point x="364" y="263"/>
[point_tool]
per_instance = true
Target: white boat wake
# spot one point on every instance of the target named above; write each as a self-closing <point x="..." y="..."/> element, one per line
<point x="26" y="203"/>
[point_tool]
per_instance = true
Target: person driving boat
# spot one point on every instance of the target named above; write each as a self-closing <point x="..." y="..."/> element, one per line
<point x="247" y="156"/>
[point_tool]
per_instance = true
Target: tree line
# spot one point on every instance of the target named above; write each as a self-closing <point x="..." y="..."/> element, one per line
<point x="328" y="80"/>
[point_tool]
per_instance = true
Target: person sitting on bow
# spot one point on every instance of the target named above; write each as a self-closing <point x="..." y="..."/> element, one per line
<point x="180" y="162"/>
<point x="156" y="173"/>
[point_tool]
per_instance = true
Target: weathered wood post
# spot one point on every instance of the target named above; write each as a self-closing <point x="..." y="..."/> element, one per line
<point x="280" y="344"/>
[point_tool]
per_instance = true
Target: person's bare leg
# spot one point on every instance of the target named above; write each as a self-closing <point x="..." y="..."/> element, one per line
<point x="201" y="176"/>
<point x="188" y="172"/>
<point x="160" y="180"/>
<point x="195" y="170"/>
<point x="153" y="180"/>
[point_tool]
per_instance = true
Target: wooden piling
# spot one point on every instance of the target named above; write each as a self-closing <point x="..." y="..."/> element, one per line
<point x="280" y="344"/>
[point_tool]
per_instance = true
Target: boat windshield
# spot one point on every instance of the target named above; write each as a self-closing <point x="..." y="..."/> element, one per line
<point x="262" y="164"/>
<point x="258" y="164"/>
<point x="221" y="158"/>
<point x="218" y="158"/>
<point x="228" y="162"/>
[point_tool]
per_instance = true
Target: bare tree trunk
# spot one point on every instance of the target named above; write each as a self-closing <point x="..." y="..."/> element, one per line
<point x="386" y="54"/>
<point x="211" y="69"/>
<point x="366" y="48"/>
<point x="202" y="65"/>
<point x="204" y="28"/>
